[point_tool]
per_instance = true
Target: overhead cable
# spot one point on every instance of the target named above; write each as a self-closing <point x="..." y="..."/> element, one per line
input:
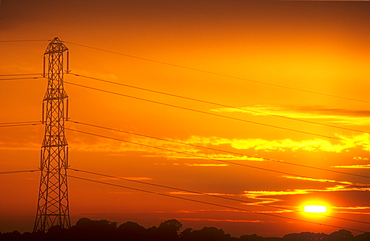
<point x="211" y="203"/>
<point x="202" y="112"/>
<point x="219" y="150"/>
<point x="23" y="40"/>
<point x="20" y="123"/>
<point x="188" y="154"/>
<point x="218" y="74"/>
<point x="23" y="171"/>
<point x="205" y="194"/>
<point x="19" y="74"/>
<point x="217" y="104"/>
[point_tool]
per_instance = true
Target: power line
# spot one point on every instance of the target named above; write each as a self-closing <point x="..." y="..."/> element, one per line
<point x="228" y="162"/>
<point x="172" y="188"/>
<point x="205" y="194"/>
<point x="217" y="104"/>
<point x="202" y="112"/>
<point x="218" y="74"/>
<point x="193" y="155"/>
<point x="188" y="154"/>
<point x="23" y="171"/>
<point x="23" y="40"/>
<point x="24" y="78"/>
<point x="211" y="203"/>
<point x="219" y="150"/>
<point x="19" y="74"/>
<point x="20" y="123"/>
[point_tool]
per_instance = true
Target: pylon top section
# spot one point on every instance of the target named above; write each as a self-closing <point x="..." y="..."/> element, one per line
<point x="55" y="46"/>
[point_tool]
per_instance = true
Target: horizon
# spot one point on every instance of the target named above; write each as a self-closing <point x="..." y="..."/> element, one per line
<point x="107" y="225"/>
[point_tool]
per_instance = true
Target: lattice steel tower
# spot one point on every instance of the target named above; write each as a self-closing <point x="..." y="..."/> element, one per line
<point x="53" y="207"/>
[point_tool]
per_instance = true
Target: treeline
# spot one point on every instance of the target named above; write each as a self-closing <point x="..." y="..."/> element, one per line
<point x="103" y="230"/>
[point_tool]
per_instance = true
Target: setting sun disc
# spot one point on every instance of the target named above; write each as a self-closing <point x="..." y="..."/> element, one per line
<point x="315" y="209"/>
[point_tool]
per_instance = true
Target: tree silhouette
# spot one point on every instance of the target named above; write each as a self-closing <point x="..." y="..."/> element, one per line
<point x="205" y="234"/>
<point x="57" y="233"/>
<point x="341" y="235"/>
<point x="252" y="237"/>
<point x="132" y="231"/>
<point x="305" y="236"/>
<point x="362" y="237"/>
<point x="92" y="230"/>
<point x="103" y="230"/>
<point x="171" y="225"/>
<point x="166" y="231"/>
<point x="13" y="236"/>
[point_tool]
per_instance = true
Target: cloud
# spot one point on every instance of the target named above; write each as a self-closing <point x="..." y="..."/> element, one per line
<point x="314" y="145"/>
<point x="177" y="211"/>
<point x="268" y="197"/>
<point x="223" y="220"/>
<point x="226" y="157"/>
<point x="197" y="211"/>
<point x="366" y="166"/>
<point x="200" y="147"/>
<point x="205" y="165"/>
<point x="185" y="193"/>
<point x="340" y="116"/>
<point x="353" y="210"/>
<point x="361" y="158"/>
<point x="264" y="201"/>
<point x="356" y="166"/>
<point x="317" y="179"/>
<point x="193" y="164"/>
<point x="128" y="178"/>
<point x="199" y="194"/>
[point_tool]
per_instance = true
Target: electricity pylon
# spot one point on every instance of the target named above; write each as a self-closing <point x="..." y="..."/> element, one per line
<point x="53" y="207"/>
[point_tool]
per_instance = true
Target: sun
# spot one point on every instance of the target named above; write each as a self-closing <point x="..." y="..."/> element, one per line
<point x="315" y="209"/>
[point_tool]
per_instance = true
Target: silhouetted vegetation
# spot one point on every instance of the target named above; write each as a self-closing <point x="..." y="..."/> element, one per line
<point x="103" y="230"/>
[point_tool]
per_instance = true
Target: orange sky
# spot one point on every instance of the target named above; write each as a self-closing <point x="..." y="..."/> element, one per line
<point x="316" y="46"/>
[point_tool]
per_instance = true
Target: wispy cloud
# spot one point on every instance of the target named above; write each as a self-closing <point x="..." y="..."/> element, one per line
<point x="316" y="179"/>
<point x="263" y="200"/>
<point x="340" y="116"/>
<point x="199" y="194"/>
<point x="196" y="211"/>
<point x="205" y="165"/>
<point x="353" y="210"/>
<point x="366" y="166"/>
<point x="185" y="193"/>
<point x="200" y="147"/>
<point x="272" y="196"/>
<point x="361" y="141"/>
<point x="193" y="164"/>
<point x="128" y="178"/>
<point x="361" y="158"/>
<point x="223" y="220"/>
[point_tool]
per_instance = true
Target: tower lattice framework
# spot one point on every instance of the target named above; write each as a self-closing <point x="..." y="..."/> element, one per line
<point x="53" y="205"/>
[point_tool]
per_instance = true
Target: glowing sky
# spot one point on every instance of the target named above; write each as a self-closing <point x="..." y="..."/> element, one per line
<point x="261" y="51"/>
